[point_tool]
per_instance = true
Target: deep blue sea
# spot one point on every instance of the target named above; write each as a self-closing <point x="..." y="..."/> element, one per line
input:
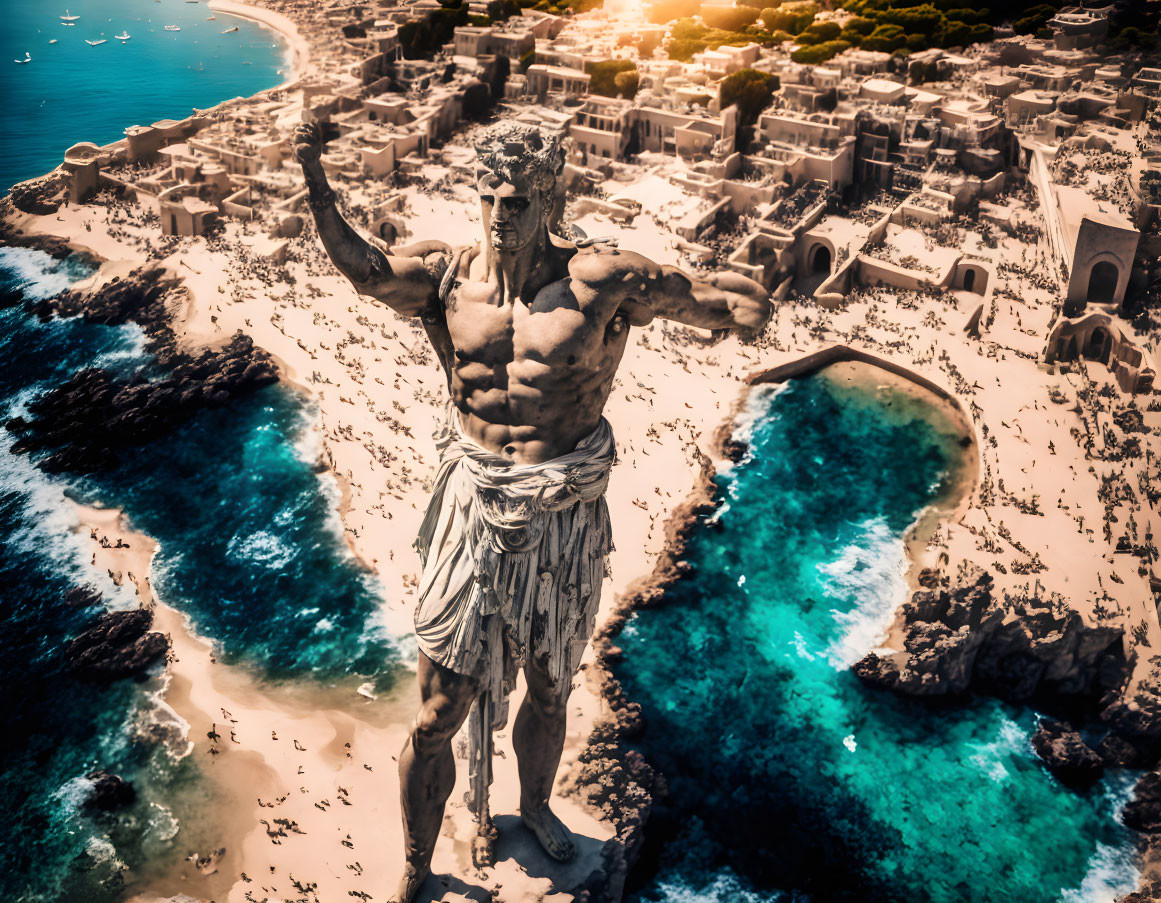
<point x="73" y="92"/>
<point x="250" y="547"/>
<point x="788" y="780"/>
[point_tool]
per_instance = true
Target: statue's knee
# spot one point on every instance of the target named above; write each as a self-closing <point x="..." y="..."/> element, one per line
<point x="432" y="731"/>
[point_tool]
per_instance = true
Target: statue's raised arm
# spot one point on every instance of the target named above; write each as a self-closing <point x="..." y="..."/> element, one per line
<point x="406" y="281"/>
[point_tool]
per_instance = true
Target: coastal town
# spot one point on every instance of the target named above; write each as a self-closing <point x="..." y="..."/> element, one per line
<point x="978" y="225"/>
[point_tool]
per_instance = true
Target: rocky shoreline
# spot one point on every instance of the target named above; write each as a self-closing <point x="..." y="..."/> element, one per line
<point x="90" y="422"/>
<point x="960" y="639"/>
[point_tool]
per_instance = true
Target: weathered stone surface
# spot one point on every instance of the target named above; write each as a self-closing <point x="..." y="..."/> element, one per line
<point x="42" y="195"/>
<point x="962" y="637"/>
<point x="118" y="645"/>
<point x="1143" y="812"/>
<point x="1066" y="754"/>
<point x="110" y="792"/>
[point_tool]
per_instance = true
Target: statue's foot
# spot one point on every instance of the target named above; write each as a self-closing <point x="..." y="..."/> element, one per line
<point x="484" y="846"/>
<point x="410" y="883"/>
<point x="554" y="837"/>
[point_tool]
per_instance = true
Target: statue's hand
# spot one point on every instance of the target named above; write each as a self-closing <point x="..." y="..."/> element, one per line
<point x="751" y="312"/>
<point x="308" y="142"/>
<point x="749" y="302"/>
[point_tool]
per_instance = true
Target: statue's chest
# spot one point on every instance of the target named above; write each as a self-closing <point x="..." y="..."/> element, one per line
<point x="555" y="328"/>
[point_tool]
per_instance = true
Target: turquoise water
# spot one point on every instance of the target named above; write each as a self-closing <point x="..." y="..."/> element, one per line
<point x="251" y="549"/>
<point x="72" y="92"/>
<point x="789" y="780"/>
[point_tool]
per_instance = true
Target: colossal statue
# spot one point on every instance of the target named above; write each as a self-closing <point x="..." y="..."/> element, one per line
<point x="530" y="329"/>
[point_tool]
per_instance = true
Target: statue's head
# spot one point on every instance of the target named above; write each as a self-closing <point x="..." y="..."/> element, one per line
<point x="517" y="174"/>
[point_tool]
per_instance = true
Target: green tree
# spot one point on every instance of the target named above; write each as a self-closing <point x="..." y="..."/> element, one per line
<point x="819" y="53"/>
<point x="884" y="38"/>
<point x="604" y="75"/>
<point x="818" y="32"/>
<point x="626" y="83"/>
<point x="751" y="90"/>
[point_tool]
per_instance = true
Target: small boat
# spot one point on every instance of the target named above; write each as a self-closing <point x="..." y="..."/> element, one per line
<point x="68" y="18"/>
<point x="173" y="28"/>
<point x="122" y="37"/>
<point x="210" y="18"/>
<point x="53" y="41"/>
<point x="230" y="30"/>
<point x="27" y="58"/>
<point x="97" y="43"/>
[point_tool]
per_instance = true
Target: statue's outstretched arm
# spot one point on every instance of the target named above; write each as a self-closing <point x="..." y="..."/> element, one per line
<point x="719" y="301"/>
<point x="405" y="282"/>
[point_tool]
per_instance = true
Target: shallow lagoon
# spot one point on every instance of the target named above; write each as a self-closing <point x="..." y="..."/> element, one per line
<point x="788" y="779"/>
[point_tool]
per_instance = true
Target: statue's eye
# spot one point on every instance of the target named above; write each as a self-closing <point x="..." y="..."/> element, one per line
<point x="487" y="198"/>
<point x="518" y="203"/>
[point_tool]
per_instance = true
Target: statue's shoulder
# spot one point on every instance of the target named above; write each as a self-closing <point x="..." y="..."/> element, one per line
<point x="603" y="265"/>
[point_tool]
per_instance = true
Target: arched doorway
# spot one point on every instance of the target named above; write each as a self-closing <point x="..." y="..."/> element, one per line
<point x="1098" y="345"/>
<point x="969" y="280"/>
<point x="821" y="259"/>
<point x="1102" y="282"/>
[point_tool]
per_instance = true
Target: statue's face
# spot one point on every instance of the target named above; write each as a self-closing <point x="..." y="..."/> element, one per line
<point x="513" y="211"/>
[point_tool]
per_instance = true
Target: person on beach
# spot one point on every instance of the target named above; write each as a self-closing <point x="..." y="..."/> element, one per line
<point x="530" y="329"/>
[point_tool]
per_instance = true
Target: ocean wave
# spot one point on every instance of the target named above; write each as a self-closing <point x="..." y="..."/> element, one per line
<point x="871" y="572"/>
<point x="1010" y="742"/>
<point x="159" y="722"/>
<point x="722" y="887"/>
<point x="1112" y="872"/>
<point x="39" y="275"/>
<point x="755" y="411"/>
<point x="261" y="547"/>
<point x="48" y="527"/>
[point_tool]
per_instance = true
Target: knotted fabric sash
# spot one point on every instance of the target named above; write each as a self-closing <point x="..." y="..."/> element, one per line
<point x="514" y="556"/>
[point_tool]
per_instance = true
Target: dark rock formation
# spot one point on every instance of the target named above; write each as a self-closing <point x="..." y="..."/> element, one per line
<point x="1149" y="892"/>
<point x="110" y="792"/>
<point x="82" y="597"/>
<point x="961" y="637"/>
<point x="41" y="195"/>
<point x="1143" y="812"/>
<point x="120" y="644"/>
<point x="89" y="420"/>
<point x="139" y="298"/>
<point x="1067" y="755"/>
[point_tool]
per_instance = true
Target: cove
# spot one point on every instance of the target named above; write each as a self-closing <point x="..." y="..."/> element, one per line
<point x="789" y="780"/>
<point x="73" y="92"/>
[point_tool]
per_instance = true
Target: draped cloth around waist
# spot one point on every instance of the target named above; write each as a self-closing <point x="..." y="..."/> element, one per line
<point x="514" y="556"/>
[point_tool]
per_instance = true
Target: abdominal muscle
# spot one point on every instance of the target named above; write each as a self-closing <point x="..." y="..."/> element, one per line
<point x="532" y="420"/>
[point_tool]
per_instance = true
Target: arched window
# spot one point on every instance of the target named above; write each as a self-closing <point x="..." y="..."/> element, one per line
<point x="1102" y="281"/>
<point x="969" y="279"/>
<point x="821" y="262"/>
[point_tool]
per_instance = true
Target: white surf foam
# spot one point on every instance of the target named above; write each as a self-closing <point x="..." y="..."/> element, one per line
<point x="872" y="571"/>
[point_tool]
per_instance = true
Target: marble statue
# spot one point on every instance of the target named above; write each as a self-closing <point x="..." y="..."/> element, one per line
<point x="530" y="329"/>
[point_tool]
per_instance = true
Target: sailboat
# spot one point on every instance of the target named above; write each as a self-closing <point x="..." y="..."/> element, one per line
<point x="68" y="19"/>
<point x="27" y="58"/>
<point x="122" y="37"/>
<point x="97" y="43"/>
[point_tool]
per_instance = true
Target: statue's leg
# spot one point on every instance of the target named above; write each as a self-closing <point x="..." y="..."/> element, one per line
<point x="427" y="771"/>
<point x="538" y="738"/>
